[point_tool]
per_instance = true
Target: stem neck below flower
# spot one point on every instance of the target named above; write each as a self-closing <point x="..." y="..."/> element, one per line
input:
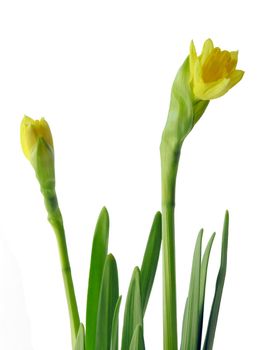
<point x="56" y="221"/>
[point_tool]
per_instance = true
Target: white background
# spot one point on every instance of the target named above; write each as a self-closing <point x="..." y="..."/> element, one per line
<point x="100" y="72"/>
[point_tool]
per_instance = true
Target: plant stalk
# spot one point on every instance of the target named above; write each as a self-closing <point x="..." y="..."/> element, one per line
<point x="56" y="221"/>
<point x="69" y="287"/>
<point x="169" y="164"/>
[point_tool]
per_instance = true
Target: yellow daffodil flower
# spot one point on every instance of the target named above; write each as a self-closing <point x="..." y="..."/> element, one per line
<point x="214" y="72"/>
<point x="31" y="131"/>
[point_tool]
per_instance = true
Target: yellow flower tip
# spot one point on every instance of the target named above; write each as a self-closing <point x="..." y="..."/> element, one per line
<point x="208" y="47"/>
<point x="192" y="56"/>
<point x="31" y="131"/>
<point x="192" y="48"/>
<point x="214" y="72"/>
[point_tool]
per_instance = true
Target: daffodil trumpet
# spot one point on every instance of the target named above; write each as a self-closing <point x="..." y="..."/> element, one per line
<point x="200" y="79"/>
<point x="214" y="72"/>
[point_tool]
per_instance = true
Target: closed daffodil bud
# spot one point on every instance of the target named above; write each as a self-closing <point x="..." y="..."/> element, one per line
<point x="214" y="72"/>
<point x="31" y="131"/>
<point x="37" y="145"/>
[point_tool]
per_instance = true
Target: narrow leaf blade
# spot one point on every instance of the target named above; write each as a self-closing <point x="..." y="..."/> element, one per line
<point x="137" y="342"/>
<point x="193" y="298"/>
<point x="133" y="310"/>
<point x="211" y="328"/>
<point x="115" y="326"/>
<point x="98" y="256"/>
<point x="150" y="259"/>
<point x="184" y="327"/>
<point x="109" y="294"/>
<point x="204" y="266"/>
<point x="80" y="341"/>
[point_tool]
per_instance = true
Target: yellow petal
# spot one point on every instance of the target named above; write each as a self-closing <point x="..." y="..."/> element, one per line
<point x="31" y="131"/>
<point x="209" y="91"/>
<point x="207" y="49"/>
<point x="234" y="55"/>
<point x="197" y="73"/>
<point x="192" y="58"/>
<point x="24" y="132"/>
<point x="44" y="131"/>
<point x="235" y="77"/>
<point x="231" y="66"/>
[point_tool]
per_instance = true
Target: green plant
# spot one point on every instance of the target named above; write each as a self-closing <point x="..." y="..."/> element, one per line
<point x="200" y="79"/>
<point x="103" y="299"/>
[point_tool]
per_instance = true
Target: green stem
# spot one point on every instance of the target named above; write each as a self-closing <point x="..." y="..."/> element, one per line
<point x="56" y="221"/>
<point x="69" y="287"/>
<point x="169" y="160"/>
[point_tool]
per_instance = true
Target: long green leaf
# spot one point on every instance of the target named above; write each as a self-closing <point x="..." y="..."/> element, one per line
<point x="185" y="324"/>
<point x="204" y="266"/>
<point x="133" y="310"/>
<point x="150" y="259"/>
<point x="80" y="342"/>
<point x="193" y="298"/>
<point x="137" y="342"/>
<point x="109" y="294"/>
<point x="211" y="328"/>
<point x="115" y="326"/>
<point x="98" y="256"/>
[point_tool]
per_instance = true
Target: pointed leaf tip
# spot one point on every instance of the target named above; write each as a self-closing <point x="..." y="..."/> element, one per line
<point x="98" y="256"/>
<point x="109" y="294"/>
<point x="213" y="318"/>
<point x="150" y="259"/>
<point x="133" y="314"/>
<point x="115" y="326"/>
<point x="80" y="342"/>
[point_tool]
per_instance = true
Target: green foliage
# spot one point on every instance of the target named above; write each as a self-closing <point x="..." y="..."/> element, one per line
<point x="150" y="259"/>
<point x="103" y="303"/>
<point x="137" y="342"/>
<point x="115" y="326"/>
<point x="210" y="334"/>
<point x="194" y="307"/>
<point x="103" y="300"/>
<point x="98" y="257"/>
<point x="80" y="342"/>
<point x="204" y="266"/>
<point x="109" y="294"/>
<point x="192" y="316"/>
<point x="140" y="289"/>
<point x="133" y="315"/>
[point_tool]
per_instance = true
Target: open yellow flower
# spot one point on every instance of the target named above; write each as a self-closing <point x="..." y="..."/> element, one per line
<point x="214" y="72"/>
<point x="30" y="133"/>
